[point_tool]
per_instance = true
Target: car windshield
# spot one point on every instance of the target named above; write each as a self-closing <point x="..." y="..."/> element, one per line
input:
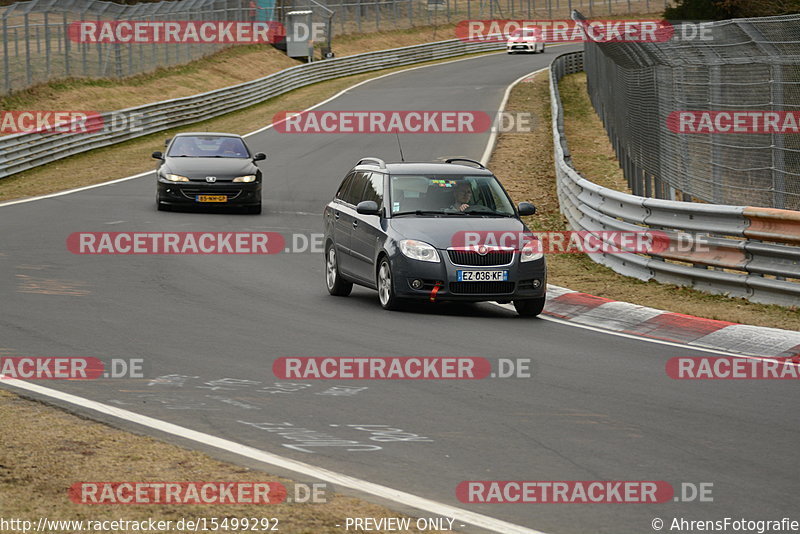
<point x="449" y="195"/>
<point x="207" y="146"/>
<point x="523" y="33"/>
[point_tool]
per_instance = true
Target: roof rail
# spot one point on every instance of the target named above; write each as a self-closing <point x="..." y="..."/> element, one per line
<point x="380" y="162"/>
<point x="478" y="163"/>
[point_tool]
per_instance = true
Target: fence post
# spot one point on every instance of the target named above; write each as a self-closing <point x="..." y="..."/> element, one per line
<point x="6" y="67"/>
<point x="28" y="73"/>
<point x="67" y="47"/>
<point x="778" y="154"/>
<point x="47" y="45"/>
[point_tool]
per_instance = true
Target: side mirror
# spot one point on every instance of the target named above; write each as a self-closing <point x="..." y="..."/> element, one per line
<point x="167" y="141"/>
<point x="259" y="156"/>
<point x="367" y="207"/>
<point x="158" y="155"/>
<point x="526" y="208"/>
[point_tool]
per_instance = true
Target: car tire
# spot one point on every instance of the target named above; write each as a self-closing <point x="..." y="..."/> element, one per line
<point x="337" y="286"/>
<point x="529" y="307"/>
<point x="162" y="207"/>
<point x="384" y="282"/>
<point x="254" y="210"/>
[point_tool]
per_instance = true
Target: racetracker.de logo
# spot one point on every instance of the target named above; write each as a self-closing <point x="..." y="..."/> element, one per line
<point x="731" y="368"/>
<point x="50" y="121"/>
<point x="566" y="31"/>
<point x="734" y="122"/>
<point x="382" y="368"/>
<point x="564" y="491"/>
<point x="581" y="242"/>
<point x="378" y="122"/>
<point x="51" y="368"/>
<point x="176" y="243"/>
<point x="177" y="493"/>
<point x="172" y="32"/>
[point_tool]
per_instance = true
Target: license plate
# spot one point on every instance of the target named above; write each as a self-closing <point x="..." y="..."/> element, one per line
<point x="482" y="276"/>
<point x="212" y="198"/>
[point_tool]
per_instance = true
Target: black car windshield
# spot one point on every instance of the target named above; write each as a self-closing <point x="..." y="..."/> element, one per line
<point x="432" y="195"/>
<point x="207" y="146"/>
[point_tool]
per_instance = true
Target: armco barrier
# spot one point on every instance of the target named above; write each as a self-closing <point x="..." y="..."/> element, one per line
<point x="740" y="251"/>
<point x="25" y="151"/>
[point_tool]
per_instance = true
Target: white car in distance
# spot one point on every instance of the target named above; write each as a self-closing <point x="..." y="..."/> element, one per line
<point x="525" y="40"/>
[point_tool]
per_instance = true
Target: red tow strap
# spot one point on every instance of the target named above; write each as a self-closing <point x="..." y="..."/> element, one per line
<point x="435" y="290"/>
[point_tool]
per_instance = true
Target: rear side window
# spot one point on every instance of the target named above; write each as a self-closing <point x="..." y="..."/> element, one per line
<point x="356" y="190"/>
<point x="343" y="188"/>
<point x="374" y="189"/>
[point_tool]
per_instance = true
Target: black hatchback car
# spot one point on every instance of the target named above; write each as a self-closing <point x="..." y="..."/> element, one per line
<point x="208" y="169"/>
<point x="402" y="228"/>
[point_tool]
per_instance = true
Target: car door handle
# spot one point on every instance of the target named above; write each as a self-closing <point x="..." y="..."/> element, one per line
<point x="336" y="215"/>
<point x="355" y="224"/>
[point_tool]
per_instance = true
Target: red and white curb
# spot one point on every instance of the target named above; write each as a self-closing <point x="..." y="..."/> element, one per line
<point x="636" y="320"/>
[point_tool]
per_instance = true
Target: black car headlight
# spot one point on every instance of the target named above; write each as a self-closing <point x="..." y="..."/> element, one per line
<point x="174" y="177"/>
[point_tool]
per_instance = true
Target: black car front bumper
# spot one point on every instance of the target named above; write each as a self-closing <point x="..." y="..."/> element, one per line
<point x="186" y="193"/>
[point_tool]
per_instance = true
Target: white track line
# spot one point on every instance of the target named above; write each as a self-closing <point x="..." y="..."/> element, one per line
<point x="267" y="127"/>
<point x="487" y="153"/>
<point x="364" y="486"/>
<point x="371" y="488"/>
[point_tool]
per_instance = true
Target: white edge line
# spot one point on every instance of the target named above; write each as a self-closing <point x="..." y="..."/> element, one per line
<point x="364" y="486"/>
<point x="339" y="479"/>
<point x="267" y="127"/>
<point x="307" y="469"/>
<point x="487" y="153"/>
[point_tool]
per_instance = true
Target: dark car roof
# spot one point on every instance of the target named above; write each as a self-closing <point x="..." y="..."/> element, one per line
<point x="427" y="168"/>
<point x="213" y="134"/>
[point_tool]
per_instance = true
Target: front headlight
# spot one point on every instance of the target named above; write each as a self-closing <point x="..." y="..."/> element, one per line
<point x="175" y="178"/>
<point x="418" y="250"/>
<point x="247" y="179"/>
<point x="532" y="250"/>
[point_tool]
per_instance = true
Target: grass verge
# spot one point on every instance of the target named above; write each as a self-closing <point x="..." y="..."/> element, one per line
<point x="45" y="450"/>
<point x="228" y="67"/>
<point x="524" y="161"/>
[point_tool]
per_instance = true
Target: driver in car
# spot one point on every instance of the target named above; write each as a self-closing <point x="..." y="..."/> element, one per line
<point x="462" y="194"/>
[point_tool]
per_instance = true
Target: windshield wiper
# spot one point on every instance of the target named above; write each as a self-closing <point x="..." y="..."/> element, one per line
<point x="424" y="212"/>
<point x="489" y="213"/>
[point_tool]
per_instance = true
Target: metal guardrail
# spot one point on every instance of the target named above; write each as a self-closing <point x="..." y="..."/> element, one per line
<point x="25" y="151"/>
<point x="739" y="251"/>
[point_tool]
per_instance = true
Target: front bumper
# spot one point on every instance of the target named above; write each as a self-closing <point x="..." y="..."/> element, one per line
<point x="525" y="280"/>
<point x="522" y="47"/>
<point x="185" y="193"/>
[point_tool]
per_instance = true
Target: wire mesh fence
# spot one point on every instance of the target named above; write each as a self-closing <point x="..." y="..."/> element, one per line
<point x="37" y="47"/>
<point x="690" y="117"/>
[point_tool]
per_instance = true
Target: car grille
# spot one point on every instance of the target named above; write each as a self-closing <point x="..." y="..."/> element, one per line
<point x="472" y="258"/>
<point x="468" y="288"/>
